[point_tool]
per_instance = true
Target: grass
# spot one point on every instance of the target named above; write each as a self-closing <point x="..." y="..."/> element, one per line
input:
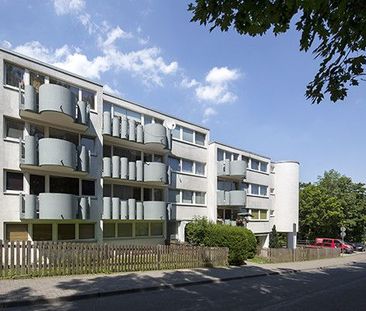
<point x="259" y="260"/>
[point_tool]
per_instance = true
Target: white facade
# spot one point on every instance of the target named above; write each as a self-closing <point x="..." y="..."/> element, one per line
<point x="80" y="164"/>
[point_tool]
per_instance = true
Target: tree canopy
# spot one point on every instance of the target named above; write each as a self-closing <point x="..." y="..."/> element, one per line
<point x="334" y="29"/>
<point x="333" y="201"/>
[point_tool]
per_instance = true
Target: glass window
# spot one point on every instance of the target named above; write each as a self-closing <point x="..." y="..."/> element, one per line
<point x="220" y="155"/>
<point x="228" y="155"/>
<point x="147" y="119"/>
<point x="176" y="132"/>
<point x="200" y="139"/>
<point x="147" y="194"/>
<point x="254" y="189"/>
<point x="37" y="131"/>
<point x="187" y="135"/>
<point x="255" y="214"/>
<point x="228" y="214"/>
<point x="158" y="195"/>
<point x="263" y="214"/>
<point x="16" y="232"/>
<point x="86" y="231"/>
<point x="147" y="157"/>
<point x="158" y="158"/>
<point x="235" y="156"/>
<point x="66" y="232"/>
<point x="88" y="187"/>
<point x="200" y="168"/>
<point x="156" y="229"/>
<point x="36" y="80"/>
<point x="174" y="196"/>
<point x="187" y="166"/>
<point x="37" y="184"/>
<point x="124" y="230"/>
<point x="108" y="230"/>
<point x="107" y="190"/>
<point x="263" y="190"/>
<point x="187" y="197"/>
<point x="13" y="75"/>
<point x="88" y="142"/>
<point x="60" y="134"/>
<point x="220" y="214"/>
<point x="142" y="229"/>
<point x="263" y="167"/>
<point x="89" y="97"/>
<point x="64" y="185"/>
<point x="134" y="115"/>
<point x="254" y="164"/>
<point x="14" y="181"/>
<point x="159" y="121"/>
<point x="42" y="232"/>
<point x="14" y="128"/>
<point x="200" y="198"/>
<point x="107" y="151"/>
<point x="174" y="164"/>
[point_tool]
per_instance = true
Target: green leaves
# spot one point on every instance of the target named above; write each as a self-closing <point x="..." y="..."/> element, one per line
<point x="334" y="29"/>
<point x="330" y="203"/>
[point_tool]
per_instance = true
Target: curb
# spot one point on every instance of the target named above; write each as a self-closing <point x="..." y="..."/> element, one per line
<point x="37" y="301"/>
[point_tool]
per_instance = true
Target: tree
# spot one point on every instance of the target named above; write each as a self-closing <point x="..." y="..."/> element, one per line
<point x="274" y="241"/>
<point x="333" y="201"/>
<point x="334" y="29"/>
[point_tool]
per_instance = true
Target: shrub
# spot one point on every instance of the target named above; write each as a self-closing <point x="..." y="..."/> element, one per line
<point x="240" y="241"/>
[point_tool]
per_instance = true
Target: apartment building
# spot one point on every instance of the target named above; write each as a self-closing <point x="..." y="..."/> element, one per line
<point x="78" y="164"/>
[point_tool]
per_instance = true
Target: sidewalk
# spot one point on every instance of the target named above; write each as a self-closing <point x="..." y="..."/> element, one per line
<point x="66" y="288"/>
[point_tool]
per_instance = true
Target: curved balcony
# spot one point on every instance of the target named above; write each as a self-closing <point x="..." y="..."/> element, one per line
<point x="155" y="172"/>
<point x="156" y="134"/>
<point x="56" y="105"/>
<point x="155" y="210"/>
<point x="232" y="169"/>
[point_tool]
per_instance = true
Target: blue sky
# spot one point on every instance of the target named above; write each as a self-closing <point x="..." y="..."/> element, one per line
<point x="248" y="91"/>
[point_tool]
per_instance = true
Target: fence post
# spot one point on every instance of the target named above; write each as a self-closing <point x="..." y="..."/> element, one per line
<point x="159" y="257"/>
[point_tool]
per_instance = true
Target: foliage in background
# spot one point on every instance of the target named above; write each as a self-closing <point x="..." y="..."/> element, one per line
<point x="274" y="238"/>
<point x="240" y="241"/>
<point x="334" y="29"/>
<point x="334" y="200"/>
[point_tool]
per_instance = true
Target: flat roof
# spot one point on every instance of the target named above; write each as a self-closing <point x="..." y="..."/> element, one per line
<point x="239" y="149"/>
<point x="93" y="82"/>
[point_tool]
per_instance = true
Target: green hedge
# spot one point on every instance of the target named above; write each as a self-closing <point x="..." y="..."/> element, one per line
<point x="240" y="241"/>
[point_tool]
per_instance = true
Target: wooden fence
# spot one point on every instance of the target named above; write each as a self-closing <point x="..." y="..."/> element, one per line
<point x="28" y="258"/>
<point x="277" y="255"/>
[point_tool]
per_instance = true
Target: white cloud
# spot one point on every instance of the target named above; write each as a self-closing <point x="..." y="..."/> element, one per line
<point x="109" y="89"/>
<point x="63" y="7"/>
<point x="5" y="44"/>
<point x="115" y="34"/>
<point x="187" y="83"/>
<point x="207" y="113"/>
<point x="222" y="75"/>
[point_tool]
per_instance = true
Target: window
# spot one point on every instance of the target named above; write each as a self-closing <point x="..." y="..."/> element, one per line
<point x="14" y="181"/>
<point x="107" y="190"/>
<point x="200" y="198"/>
<point x="174" y="196"/>
<point x="86" y="231"/>
<point x="37" y="184"/>
<point x="156" y="229"/>
<point x="147" y="119"/>
<point x="263" y="190"/>
<point x="187" y="166"/>
<point x="89" y="97"/>
<point x="60" y="134"/>
<point x="88" y="187"/>
<point x="13" y="75"/>
<point x="259" y="214"/>
<point x="158" y="195"/>
<point x="235" y="156"/>
<point x="200" y="168"/>
<point x="187" y="197"/>
<point x="36" y="80"/>
<point x="176" y="132"/>
<point x="220" y="155"/>
<point x="254" y="165"/>
<point x="158" y="158"/>
<point x="42" y="232"/>
<point x="124" y="230"/>
<point x="37" y="131"/>
<point x="147" y="157"/>
<point x="263" y="214"/>
<point x="255" y="214"/>
<point x="108" y="230"/>
<point x="200" y="139"/>
<point x="159" y="121"/>
<point x="147" y="194"/>
<point x="14" y="128"/>
<point x="228" y="155"/>
<point x="16" y="232"/>
<point x="64" y="185"/>
<point x="187" y="135"/>
<point x="254" y="189"/>
<point x="263" y="167"/>
<point x="66" y="231"/>
<point x="107" y="151"/>
<point x="142" y="229"/>
<point x="88" y="142"/>
<point x="174" y="164"/>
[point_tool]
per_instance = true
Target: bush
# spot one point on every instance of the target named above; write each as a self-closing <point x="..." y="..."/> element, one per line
<point x="240" y="241"/>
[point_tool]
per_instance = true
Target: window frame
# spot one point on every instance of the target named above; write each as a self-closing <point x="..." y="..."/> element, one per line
<point x="5" y="182"/>
<point x="5" y="129"/>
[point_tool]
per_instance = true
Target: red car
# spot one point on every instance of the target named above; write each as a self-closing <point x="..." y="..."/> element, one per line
<point x="333" y="243"/>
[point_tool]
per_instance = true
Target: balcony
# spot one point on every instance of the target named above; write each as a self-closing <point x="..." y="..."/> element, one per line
<point x="53" y="154"/>
<point x="55" y="105"/>
<point x="134" y="171"/>
<point x="231" y="198"/>
<point x="127" y="132"/>
<point x="232" y="169"/>
<point x="115" y="208"/>
<point x="54" y="206"/>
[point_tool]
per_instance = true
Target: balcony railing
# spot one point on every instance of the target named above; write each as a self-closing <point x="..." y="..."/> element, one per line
<point x="53" y="206"/>
<point x="231" y="198"/>
<point x="234" y="169"/>
<point x="115" y="208"/>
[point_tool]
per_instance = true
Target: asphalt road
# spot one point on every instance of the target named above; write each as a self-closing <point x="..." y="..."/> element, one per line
<point x="341" y="288"/>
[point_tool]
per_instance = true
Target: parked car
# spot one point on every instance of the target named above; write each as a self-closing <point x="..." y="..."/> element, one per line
<point x="359" y="247"/>
<point x="333" y="243"/>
